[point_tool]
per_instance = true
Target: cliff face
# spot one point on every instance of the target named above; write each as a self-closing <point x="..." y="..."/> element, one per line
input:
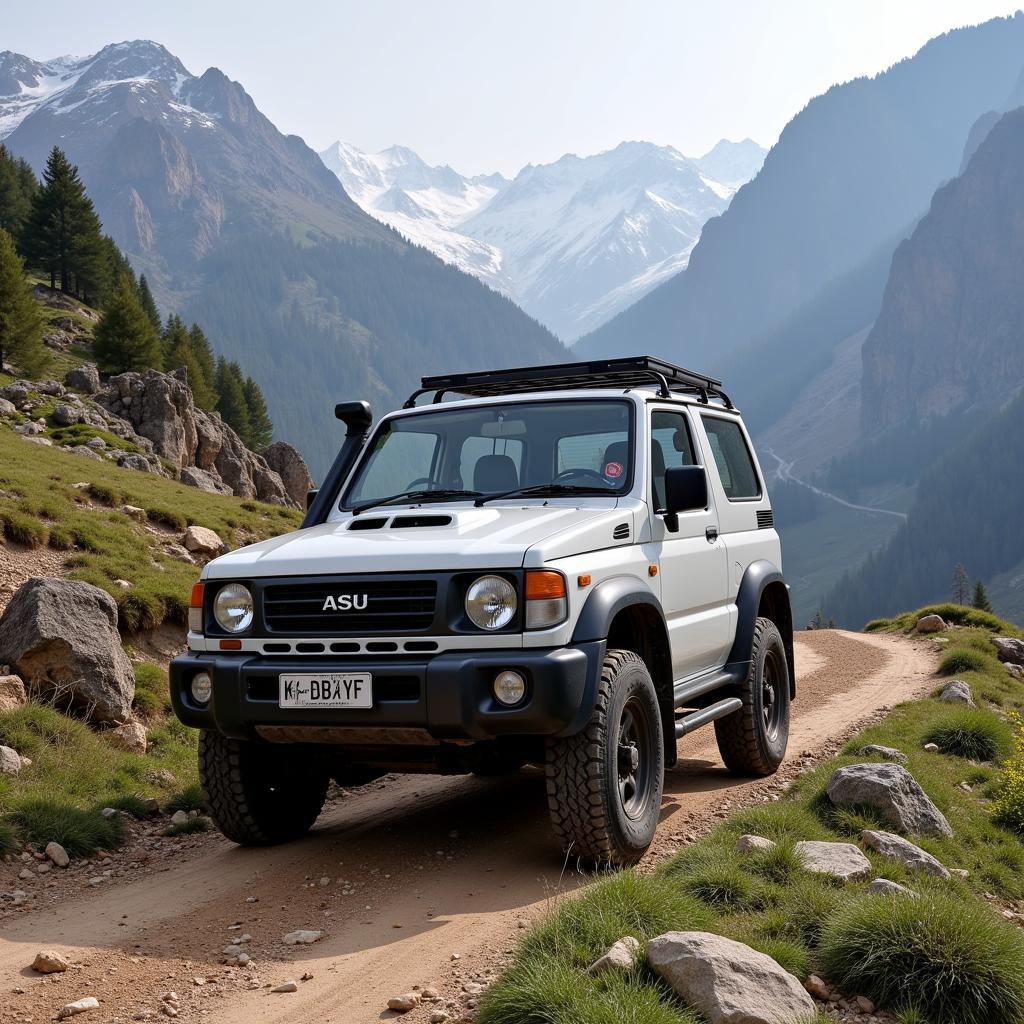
<point x="951" y="328"/>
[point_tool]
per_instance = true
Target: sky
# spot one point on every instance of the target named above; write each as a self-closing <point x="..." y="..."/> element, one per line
<point x="487" y="86"/>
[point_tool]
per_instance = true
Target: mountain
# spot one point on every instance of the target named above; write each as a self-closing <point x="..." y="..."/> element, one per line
<point x="572" y="242"/>
<point x="854" y="167"/>
<point x="245" y="229"/>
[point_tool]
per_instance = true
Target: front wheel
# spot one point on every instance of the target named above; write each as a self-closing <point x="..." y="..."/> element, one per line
<point x="259" y="794"/>
<point x="605" y="783"/>
<point x="752" y="740"/>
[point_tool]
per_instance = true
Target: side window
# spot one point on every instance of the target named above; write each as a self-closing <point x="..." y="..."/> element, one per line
<point x="732" y="457"/>
<point x="671" y="445"/>
<point x="476" y="448"/>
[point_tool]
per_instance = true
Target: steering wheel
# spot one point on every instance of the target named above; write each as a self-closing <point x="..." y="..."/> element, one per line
<point x="422" y="481"/>
<point x="581" y="472"/>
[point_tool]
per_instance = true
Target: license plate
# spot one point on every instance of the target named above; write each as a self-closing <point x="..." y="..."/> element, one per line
<point x="326" y="690"/>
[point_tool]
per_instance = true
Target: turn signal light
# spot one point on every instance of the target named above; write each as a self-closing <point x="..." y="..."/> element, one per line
<point x="195" y="608"/>
<point x="546" y="603"/>
<point x="543" y="584"/>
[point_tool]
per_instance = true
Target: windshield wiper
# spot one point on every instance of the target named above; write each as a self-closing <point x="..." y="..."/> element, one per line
<point x="418" y="495"/>
<point x="544" y="489"/>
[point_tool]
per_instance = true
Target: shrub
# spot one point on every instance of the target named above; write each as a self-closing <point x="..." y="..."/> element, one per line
<point x="952" y="960"/>
<point x="976" y="735"/>
<point x="1008" y="806"/>
<point x="188" y="799"/>
<point x="79" y="832"/>
<point x="966" y="659"/>
<point x="187" y="828"/>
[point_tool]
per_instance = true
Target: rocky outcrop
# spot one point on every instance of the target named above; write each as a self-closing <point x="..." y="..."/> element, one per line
<point x="892" y="791"/>
<point x="727" y="982"/>
<point x="159" y="406"/>
<point x="61" y="637"/>
<point x="290" y="466"/>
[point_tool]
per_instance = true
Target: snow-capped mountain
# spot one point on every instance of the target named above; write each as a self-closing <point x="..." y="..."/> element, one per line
<point x="573" y="242"/>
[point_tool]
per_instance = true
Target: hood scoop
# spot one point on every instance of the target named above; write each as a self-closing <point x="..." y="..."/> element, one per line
<point x="410" y="522"/>
<point x="359" y="523"/>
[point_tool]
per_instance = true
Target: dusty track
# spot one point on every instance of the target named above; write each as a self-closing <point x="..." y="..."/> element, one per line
<point x="420" y="869"/>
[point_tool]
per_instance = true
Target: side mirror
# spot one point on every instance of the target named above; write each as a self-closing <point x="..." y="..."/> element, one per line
<point x="311" y="497"/>
<point x="686" y="490"/>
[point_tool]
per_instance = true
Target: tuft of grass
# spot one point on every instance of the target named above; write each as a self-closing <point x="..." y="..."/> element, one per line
<point x="166" y="516"/>
<point x="780" y="822"/>
<point x="131" y="804"/>
<point x="152" y="691"/>
<point x="188" y="799"/>
<point x="713" y="875"/>
<point x="961" y="659"/>
<point x="21" y="528"/>
<point x="953" y="961"/>
<point x="188" y="828"/>
<point x="79" y="831"/>
<point x="105" y="493"/>
<point x="972" y="734"/>
<point x="8" y="839"/>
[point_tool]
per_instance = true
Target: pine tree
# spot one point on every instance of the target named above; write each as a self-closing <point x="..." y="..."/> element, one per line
<point x="124" y="337"/>
<point x="63" y="236"/>
<point x="231" y="398"/>
<point x="204" y="355"/>
<point x="17" y="186"/>
<point x="981" y="601"/>
<point x="149" y="303"/>
<point x="261" y="429"/>
<point x="21" y="321"/>
<point x="178" y="352"/>
<point x="961" y="584"/>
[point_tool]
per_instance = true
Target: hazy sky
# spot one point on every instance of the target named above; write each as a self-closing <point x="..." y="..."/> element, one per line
<point x="491" y="86"/>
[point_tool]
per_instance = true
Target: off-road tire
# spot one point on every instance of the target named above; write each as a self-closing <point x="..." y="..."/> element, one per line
<point x="752" y="740"/>
<point x="259" y="794"/>
<point x="583" y="771"/>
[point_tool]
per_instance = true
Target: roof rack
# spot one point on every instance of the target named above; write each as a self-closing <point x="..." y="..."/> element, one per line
<point x="633" y="371"/>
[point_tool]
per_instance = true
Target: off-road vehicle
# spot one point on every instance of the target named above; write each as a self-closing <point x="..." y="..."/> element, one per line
<point x="569" y="566"/>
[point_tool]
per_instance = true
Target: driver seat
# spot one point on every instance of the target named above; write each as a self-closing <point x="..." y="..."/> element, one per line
<point x="495" y="473"/>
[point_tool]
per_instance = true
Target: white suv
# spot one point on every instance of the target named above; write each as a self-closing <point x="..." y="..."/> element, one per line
<point x="571" y="567"/>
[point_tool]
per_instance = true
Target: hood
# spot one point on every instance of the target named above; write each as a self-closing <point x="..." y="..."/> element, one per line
<point x="491" y="537"/>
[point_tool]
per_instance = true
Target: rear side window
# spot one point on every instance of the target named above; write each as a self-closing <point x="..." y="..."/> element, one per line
<point x="732" y="457"/>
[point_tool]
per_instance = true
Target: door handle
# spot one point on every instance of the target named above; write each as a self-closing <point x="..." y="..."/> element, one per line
<point x="712" y="534"/>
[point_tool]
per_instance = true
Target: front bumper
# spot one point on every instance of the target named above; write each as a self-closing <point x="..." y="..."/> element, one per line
<point x="444" y="697"/>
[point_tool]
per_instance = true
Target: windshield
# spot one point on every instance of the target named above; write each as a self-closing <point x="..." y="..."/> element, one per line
<point x="572" y="446"/>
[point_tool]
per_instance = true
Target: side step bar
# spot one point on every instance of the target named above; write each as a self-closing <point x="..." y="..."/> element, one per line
<point x="708" y="714"/>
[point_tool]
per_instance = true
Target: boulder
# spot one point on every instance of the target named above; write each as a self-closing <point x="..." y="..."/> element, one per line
<point x="620" y="957"/>
<point x="885" y="887"/>
<point x="889" y="753"/>
<point x="57" y="855"/>
<point x="727" y="982"/>
<point x="203" y="480"/>
<point x="892" y="791"/>
<point x="1017" y="671"/>
<point x="202" y="541"/>
<point x="956" y="691"/>
<point x="10" y="761"/>
<point x="931" y="624"/>
<point x="61" y="637"/>
<point x="751" y="844"/>
<point x="85" y="378"/>
<point x="131" y="737"/>
<point x="1010" y="649"/>
<point x="48" y="961"/>
<point x="12" y="693"/>
<point x="302" y="937"/>
<point x="7" y="408"/>
<point x="132" y="460"/>
<point x="289" y="465"/>
<point x="64" y="415"/>
<point x="839" y="860"/>
<point x="899" y="849"/>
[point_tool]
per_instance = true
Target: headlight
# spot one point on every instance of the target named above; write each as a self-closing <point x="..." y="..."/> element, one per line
<point x="491" y="602"/>
<point x="232" y="608"/>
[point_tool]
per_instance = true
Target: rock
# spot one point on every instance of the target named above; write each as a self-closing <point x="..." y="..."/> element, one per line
<point x="302" y="937"/>
<point x="899" y="849"/>
<point x="620" y="957"/>
<point x="61" y="636"/>
<point x="78" y="1006"/>
<point x="865" y="1005"/>
<point x="131" y="460"/>
<point x="26" y="874"/>
<point x="749" y="844"/>
<point x="12" y="693"/>
<point x="1017" y="671"/>
<point x="889" y="753"/>
<point x="108" y="812"/>
<point x="57" y="854"/>
<point x="10" y="762"/>
<point x="931" y="624"/>
<point x="179" y="817"/>
<point x="289" y="465"/>
<point x="97" y="443"/>
<point x="202" y="541"/>
<point x="286" y="986"/>
<point x="839" y="860"/>
<point x="956" y="691"/>
<point x="178" y="552"/>
<point x="816" y="987"/>
<point x="960" y="872"/>
<point x="1010" y="649"/>
<point x="885" y="887"/>
<point x="131" y="737"/>
<point x="7" y="408"/>
<point x="84" y="378"/>
<point x="728" y="982"/>
<point x="48" y="961"/>
<point x="135" y="512"/>
<point x="439" y="1017"/>
<point x="405" y="1002"/>
<point x="931" y="748"/>
<point x="893" y="792"/>
<point x="65" y="415"/>
<point x="204" y="481"/>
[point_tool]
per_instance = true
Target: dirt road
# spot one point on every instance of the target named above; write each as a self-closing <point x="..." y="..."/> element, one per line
<point x="418" y="870"/>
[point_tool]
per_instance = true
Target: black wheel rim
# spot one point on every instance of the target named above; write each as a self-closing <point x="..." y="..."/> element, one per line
<point x="773" y="679"/>
<point x="634" y="775"/>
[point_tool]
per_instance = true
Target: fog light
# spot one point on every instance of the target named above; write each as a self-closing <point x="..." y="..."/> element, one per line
<point x="201" y="688"/>
<point x="509" y="688"/>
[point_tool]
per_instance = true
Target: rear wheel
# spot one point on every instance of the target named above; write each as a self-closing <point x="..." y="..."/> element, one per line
<point x="259" y="794"/>
<point x="605" y="783"/>
<point x="752" y="740"/>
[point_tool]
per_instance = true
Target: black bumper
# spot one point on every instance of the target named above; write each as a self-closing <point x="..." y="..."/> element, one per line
<point x="448" y="696"/>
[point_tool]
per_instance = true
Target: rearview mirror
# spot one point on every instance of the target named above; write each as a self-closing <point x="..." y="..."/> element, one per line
<point x="686" y="490"/>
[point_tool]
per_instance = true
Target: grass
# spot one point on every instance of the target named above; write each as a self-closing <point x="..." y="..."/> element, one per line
<point x="956" y="614"/>
<point x="152" y="692"/>
<point x="188" y="828"/>
<point x="103" y="544"/>
<point x="188" y="799"/>
<point x="79" y="831"/>
<point x="962" y="659"/>
<point x="949" y="957"/>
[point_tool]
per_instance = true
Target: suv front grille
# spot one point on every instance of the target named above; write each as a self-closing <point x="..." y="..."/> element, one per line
<point x="338" y="608"/>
